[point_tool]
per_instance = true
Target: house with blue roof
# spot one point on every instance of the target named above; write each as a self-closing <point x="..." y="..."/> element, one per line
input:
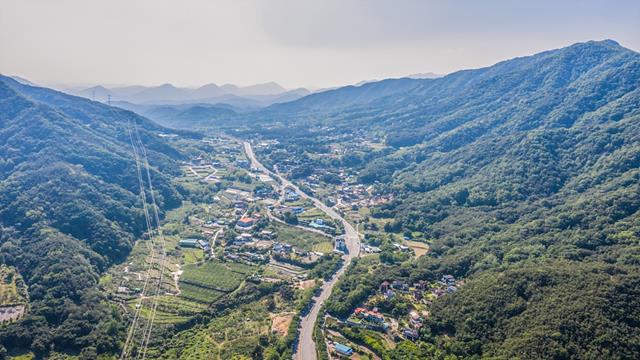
<point x="343" y="349"/>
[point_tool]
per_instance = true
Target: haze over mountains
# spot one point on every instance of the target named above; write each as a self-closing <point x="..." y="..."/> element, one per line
<point x="243" y="97"/>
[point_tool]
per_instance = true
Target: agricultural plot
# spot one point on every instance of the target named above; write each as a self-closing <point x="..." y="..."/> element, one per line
<point x="199" y="294"/>
<point x="235" y="333"/>
<point x="179" y="306"/>
<point x="208" y="281"/>
<point x="162" y="316"/>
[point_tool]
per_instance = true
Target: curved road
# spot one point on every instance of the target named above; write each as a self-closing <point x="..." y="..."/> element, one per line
<point x="306" y="349"/>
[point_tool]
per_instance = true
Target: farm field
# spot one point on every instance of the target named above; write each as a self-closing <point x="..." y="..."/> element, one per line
<point x="207" y="281"/>
<point x="237" y="332"/>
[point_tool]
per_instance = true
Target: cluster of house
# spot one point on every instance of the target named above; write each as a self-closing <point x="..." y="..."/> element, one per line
<point x="291" y="195"/>
<point x="388" y="289"/>
<point x="264" y="193"/>
<point x="449" y="283"/>
<point x="288" y="253"/>
<point x="281" y="209"/>
<point x="241" y="198"/>
<point x="251" y="245"/>
<point x="371" y="319"/>
<point x="370" y="249"/>
<point x="352" y="193"/>
<point x="415" y="323"/>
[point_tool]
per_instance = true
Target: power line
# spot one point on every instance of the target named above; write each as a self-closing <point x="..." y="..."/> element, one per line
<point x="150" y="321"/>
<point x="132" y="327"/>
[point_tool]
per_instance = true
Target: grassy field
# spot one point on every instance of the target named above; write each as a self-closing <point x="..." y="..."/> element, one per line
<point x="303" y="239"/>
<point x="418" y="247"/>
<point x="192" y="256"/>
<point x="313" y="213"/>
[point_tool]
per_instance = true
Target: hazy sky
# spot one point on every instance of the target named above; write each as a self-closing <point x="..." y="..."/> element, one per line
<point x="296" y="43"/>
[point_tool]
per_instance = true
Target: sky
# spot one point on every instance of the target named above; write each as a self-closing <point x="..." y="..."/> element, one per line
<point x="297" y="43"/>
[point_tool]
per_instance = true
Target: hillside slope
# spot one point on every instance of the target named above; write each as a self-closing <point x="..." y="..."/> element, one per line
<point x="69" y="207"/>
<point x="531" y="165"/>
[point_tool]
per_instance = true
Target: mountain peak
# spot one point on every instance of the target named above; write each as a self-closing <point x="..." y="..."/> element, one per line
<point x="209" y="86"/>
<point x="611" y="41"/>
<point x="607" y="44"/>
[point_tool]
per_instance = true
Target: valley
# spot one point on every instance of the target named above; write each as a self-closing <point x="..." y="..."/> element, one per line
<point x="489" y="213"/>
<point x="227" y="244"/>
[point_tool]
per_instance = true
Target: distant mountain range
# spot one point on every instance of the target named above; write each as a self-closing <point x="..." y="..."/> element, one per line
<point x="247" y="97"/>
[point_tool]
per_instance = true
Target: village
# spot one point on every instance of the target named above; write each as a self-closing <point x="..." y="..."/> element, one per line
<point x="376" y="315"/>
<point x="246" y="227"/>
<point x="337" y="186"/>
<point x="240" y="230"/>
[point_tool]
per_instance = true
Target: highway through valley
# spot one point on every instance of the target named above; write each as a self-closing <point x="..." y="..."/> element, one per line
<point x="306" y="349"/>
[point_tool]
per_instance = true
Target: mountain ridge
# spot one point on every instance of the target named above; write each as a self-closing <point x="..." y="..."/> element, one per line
<point x="521" y="177"/>
<point x="71" y="208"/>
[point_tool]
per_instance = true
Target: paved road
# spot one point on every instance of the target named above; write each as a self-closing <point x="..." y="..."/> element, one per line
<point x="306" y="347"/>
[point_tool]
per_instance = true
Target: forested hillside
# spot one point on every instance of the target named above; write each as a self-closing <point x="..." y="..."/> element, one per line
<point x="69" y="207"/>
<point x="192" y="116"/>
<point x="524" y="179"/>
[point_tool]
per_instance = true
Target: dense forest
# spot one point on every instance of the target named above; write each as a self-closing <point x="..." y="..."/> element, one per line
<point x="70" y="208"/>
